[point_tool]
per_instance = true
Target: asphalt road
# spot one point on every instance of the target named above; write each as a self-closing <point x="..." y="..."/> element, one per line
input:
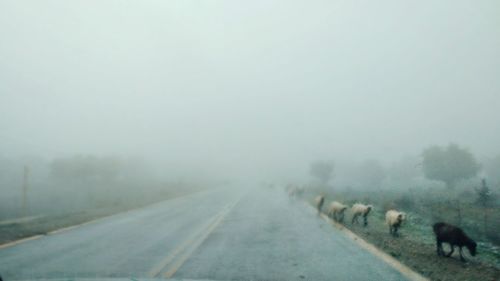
<point x="216" y="235"/>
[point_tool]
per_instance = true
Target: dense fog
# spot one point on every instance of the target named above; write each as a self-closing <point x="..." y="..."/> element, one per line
<point x="103" y="96"/>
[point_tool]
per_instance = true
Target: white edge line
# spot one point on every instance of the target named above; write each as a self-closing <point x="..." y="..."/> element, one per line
<point x="13" y="243"/>
<point x="67" y="228"/>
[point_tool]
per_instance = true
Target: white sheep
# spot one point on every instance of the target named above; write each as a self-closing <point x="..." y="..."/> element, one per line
<point x="359" y="209"/>
<point x="336" y="211"/>
<point x="394" y="219"/>
<point x="320" y="200"/>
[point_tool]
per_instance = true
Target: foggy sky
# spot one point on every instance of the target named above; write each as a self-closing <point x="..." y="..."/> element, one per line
<point x="248" y="87"/>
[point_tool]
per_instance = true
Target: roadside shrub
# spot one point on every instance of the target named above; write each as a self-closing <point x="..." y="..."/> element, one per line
<point x="493" y="235"/>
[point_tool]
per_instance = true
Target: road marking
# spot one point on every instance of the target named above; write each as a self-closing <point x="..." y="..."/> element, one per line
<point x="57" y="231"/>
<point x="64" y="229"/>
<point x="156" y="270"/>
<point x="20" y="220"/>
<point x="394" y="263"/>
<point x="13" y="243"/>
<point x="171" y="264"/>
<point x="195" y="246"/>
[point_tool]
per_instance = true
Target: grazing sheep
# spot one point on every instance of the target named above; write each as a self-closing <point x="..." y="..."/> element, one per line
<point x="394" y="219"/>
<point x="336" y="211"/>
<point x="454" y="236"/>
<point x="320" y="200"/>
<point x="359" y="209"/>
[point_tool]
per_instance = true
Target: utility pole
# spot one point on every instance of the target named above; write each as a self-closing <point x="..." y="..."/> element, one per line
<point x="26" y="174"/>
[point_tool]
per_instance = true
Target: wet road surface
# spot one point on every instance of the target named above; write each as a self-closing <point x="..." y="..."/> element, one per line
<point x="225" y="234"/>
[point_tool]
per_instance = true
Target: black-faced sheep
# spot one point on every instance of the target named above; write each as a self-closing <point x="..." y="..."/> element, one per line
<point x="394" y="219"/>
<point x="454" y="236"/>
<point x="336" y="211"/>
<point x="359" y="209"/>
<point x="320" y="200"/>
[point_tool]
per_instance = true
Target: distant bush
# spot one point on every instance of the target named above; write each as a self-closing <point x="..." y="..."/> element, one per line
<point x="405" y="201"/>
<point x="449" y="164"/>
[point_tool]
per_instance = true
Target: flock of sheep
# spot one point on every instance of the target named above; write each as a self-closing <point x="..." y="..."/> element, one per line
<point x="336" y="211"/>
<point x="444" y="232"/>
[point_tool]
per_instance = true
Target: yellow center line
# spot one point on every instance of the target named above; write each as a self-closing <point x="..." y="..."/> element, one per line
<point x="196" y="244"/>
<point x="178" y="257"/>
<point x="155" y="271"/>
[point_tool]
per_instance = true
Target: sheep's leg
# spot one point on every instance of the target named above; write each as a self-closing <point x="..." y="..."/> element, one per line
<point x="365" y="221"/>
<point x="439" y="248"/>
<point x="353" y="219"/>
<point x="452" y="250"/>
<point x="396" y="231"/>
<point x="341" y="218"/>
<point x="461" y="256"/>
